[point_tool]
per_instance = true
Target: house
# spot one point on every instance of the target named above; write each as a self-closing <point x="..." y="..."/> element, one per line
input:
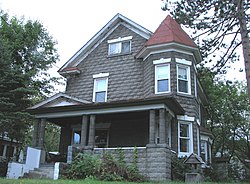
<point x="130" y="87"/>
<point x="8" y="147"/>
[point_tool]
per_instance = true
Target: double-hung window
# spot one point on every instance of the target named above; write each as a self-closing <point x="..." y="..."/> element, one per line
<point x="183" y="79"/>
<point x="162" y="78"/>
<point x="100" y="88"/>
<point x="120" y="46"/>
<point x="185" y="138"/>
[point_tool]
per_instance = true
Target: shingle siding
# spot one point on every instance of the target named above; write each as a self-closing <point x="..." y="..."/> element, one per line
<point x="125" y="73"/>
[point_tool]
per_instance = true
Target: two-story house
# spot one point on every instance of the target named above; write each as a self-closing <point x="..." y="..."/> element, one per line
<point x="130" y="87"/>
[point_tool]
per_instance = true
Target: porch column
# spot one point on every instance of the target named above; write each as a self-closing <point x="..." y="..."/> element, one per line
<point x="152" y="127"/>
<point x="41" y="133"/>
<point x="84" y="130"/>
<point x="162" y="126"/>
<point x="35" y="133"/>
<point x="92" y="131"/>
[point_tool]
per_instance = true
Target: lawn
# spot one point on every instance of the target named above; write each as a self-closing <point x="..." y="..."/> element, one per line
<point x="87" y="181"/>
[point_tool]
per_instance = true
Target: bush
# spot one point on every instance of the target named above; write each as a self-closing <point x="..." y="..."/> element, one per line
<point x="107" y="168"/>
<point x="3" y="167"/>
<point x="83" y="165"/>
<point x="179" y="168"/>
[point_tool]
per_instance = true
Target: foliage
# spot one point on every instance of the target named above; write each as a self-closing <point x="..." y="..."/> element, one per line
<point x="106" y="168"/>
<point x="3" y="167"/>
<point x="27" y="52"/>
<point x="217" y="23"/>
<point x="52" y="137"/>
<point x="83" y="165"/>
<point x="179" y="168"/>
<point x="229" y="116"/>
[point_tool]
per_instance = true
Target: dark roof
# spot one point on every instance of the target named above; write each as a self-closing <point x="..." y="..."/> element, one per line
<point x="205" y="131"/>
<point x="193" y="159"/>
<point x="170" y="31"/>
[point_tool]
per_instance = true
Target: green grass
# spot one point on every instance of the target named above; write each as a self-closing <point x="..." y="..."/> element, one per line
<point x="87" y="181"/>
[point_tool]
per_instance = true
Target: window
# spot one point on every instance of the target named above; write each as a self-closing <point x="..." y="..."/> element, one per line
<point x="120" y="45"/>
<point x="185" y="143"/>
<point x="100" y="90"/>
<point x="76" y="137"/>
<point x="183" y="82"/>
<point x="162" y="78"/>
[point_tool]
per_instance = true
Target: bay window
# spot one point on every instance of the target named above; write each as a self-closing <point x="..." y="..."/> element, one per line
<point x="162" y="78"/>
<point x="185" y="138"/>
<point x="183" y="79"/>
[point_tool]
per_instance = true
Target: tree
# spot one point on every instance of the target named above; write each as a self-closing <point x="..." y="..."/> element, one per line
<point x="27" y="52"/>
<point x="229" y="116"/>
<point x="222" y="26"/>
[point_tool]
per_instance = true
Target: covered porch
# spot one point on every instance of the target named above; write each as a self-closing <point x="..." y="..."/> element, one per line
<point x="108" y="125"/>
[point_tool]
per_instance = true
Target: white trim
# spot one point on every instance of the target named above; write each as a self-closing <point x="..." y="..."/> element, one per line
<point x="198" y="140"/>
<point x="106" y="89"/>
<point x="168" y="78"/>
<point x="195" y="85"/>
<point x="120" y="39"/>
<point x="100" y="75"/>
<point x="188" y="79"/>
<point x="58" y="95"/>
<point x="162" y="61"/>
<point x="185" y="118"/>
<point x="103" y="111"/>
<point x="167" y="47"/>
<point x="190" y="131"/>
<point x="183" y="61"/>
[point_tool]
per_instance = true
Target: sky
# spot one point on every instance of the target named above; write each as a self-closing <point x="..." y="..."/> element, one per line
<point x="73" y="22"/>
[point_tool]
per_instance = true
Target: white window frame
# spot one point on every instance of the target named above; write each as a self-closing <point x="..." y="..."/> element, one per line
<point x="156" y="79"/>
<point x="119" y="41"/>
<point x="100" y="77"/>
<point x="190" y="129"/>
<point x="188" y="79"/>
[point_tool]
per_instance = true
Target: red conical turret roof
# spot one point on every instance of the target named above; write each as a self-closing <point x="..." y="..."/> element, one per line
<point x="170" y="31"/>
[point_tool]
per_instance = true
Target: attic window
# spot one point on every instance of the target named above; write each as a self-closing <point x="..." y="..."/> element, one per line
<point x="120" y="45"/>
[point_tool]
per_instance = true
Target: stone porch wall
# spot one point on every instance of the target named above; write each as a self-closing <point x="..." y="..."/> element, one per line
<point x="154" y="161"/>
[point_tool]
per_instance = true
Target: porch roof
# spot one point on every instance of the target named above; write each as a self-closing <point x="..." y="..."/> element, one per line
<point x="169" y="103"/>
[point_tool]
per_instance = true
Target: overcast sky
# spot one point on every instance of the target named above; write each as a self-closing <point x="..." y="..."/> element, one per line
<point x="72" y="23"/>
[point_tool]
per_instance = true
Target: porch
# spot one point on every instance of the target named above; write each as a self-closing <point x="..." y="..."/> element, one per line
<point x="93" y="128"/>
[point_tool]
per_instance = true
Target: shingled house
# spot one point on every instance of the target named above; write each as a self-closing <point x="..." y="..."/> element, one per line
<point x="130" y="87"/>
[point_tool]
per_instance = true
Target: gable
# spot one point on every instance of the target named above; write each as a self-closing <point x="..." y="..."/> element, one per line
<point x="102" y="35"/>
<point x="59" y="100"/>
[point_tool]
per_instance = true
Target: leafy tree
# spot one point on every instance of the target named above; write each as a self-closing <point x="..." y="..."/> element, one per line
<point x="229" y="116"/>
<point x="221" y="26"/>
<point x="27" y="52"/>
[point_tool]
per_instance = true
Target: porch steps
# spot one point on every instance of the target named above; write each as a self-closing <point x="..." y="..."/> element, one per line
<point x="45" y="171"/>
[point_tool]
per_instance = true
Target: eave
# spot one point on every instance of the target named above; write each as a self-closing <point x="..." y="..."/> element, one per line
<point x="169" y="103"/>
<point x="146" y="51"/>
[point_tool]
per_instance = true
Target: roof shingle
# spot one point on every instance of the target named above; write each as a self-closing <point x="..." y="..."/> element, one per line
<point x="170" y="31"/>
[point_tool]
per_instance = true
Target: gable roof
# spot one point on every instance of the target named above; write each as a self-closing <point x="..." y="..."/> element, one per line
<point x="170" y="31"/>
<point x="59" y="99"/>
<point x="101" y="35"/>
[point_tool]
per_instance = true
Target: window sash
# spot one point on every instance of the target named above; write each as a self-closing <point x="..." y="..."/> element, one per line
<point x="183" y="79"/>
<point x="120" y="47"/>
<point x="162" y="78"/>
<point x="185" y="138"/>
<point x="100" y="90"/>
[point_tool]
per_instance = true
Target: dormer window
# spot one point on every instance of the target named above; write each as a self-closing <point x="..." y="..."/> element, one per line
<point x="120" y="45"/>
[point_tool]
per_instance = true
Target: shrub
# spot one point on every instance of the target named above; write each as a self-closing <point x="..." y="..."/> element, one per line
<point x="3" y="167"/>
<point x="179" y="168"/>
<point x="82" y="166"/>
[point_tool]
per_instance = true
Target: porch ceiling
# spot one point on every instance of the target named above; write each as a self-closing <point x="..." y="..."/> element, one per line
<point x="132" y="105"/>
